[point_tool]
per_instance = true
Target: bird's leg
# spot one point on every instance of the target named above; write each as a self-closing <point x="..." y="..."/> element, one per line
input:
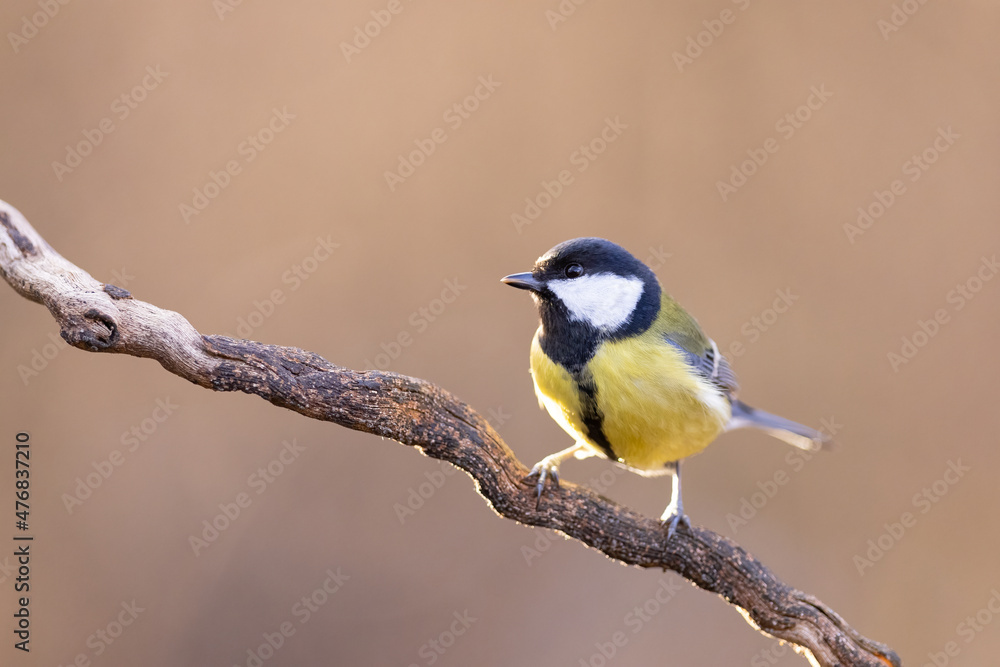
<point x="549" y="467"/>
<point x="674" y="513"/>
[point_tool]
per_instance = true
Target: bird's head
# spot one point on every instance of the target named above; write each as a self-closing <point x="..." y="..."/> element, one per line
<point x="594" y="285"/>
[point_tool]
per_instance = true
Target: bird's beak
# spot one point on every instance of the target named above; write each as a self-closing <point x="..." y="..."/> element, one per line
<point x="523" y="281"/>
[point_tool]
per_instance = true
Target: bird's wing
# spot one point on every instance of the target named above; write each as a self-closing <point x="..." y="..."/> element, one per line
<point x="711" y="365"/>
<point x="700" y="351"/>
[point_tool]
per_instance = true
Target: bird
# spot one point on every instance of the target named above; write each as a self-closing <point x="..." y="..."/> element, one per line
<point x="628" y="373"/>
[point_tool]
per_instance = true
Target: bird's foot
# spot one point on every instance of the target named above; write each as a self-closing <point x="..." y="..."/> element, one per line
<point x="672" y="517"/>
<point x="542" y="472"/>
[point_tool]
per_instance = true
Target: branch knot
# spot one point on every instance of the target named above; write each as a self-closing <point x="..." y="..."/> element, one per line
<point x="95" y="331"/>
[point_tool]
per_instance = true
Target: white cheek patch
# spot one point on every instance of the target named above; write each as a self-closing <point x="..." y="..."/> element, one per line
<point x="605" y="300"/>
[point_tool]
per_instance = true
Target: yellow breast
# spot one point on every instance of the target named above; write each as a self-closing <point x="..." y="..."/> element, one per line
<point x="654" y="409"/>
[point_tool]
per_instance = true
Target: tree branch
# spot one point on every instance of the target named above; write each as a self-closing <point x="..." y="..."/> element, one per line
<point x="104" y="318"/>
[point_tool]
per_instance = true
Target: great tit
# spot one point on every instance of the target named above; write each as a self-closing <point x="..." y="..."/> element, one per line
<point x="623" y="369"/>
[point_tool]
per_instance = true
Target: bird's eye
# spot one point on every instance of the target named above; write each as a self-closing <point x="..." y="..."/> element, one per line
<point x="574" y="271"/>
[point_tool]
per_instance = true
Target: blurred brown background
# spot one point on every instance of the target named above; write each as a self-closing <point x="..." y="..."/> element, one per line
<point x="209" y="78"/>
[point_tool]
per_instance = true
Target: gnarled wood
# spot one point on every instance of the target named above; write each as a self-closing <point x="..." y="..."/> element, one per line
<point x="104" y="318"/>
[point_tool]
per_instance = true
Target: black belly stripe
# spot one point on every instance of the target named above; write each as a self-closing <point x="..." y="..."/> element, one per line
<point x="593" y="421"/>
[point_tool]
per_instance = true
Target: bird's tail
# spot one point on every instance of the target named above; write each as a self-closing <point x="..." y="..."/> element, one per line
<point x="794" y="434"/>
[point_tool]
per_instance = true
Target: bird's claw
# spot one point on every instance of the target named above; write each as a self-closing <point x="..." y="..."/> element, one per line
<point x="672" y="522"/>
<point x="544" y="471"/>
